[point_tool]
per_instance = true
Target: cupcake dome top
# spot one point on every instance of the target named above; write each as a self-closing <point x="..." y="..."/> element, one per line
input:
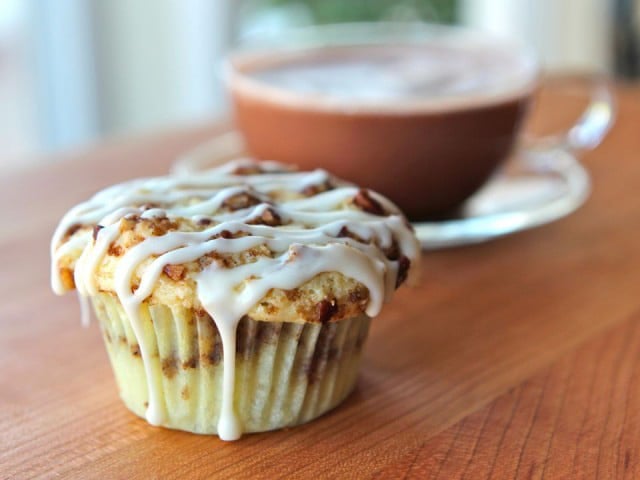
<point x="285" y="245"/>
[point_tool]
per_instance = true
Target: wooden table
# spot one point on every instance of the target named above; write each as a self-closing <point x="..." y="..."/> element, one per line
<point x="516" y="358"/>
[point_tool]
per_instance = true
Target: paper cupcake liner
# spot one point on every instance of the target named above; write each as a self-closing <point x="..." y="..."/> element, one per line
<point x="286" y="373"/>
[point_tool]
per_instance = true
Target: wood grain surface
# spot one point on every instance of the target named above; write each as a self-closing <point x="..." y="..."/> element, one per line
<point x="518" y="358"/>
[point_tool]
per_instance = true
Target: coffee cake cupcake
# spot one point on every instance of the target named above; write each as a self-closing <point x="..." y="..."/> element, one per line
<point x="237" y="299"/>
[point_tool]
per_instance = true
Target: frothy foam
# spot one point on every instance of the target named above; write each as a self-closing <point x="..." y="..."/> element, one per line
<point x="364" y="76"/>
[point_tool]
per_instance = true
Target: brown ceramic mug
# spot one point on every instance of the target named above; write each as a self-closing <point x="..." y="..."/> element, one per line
<point x="422" y="114"/>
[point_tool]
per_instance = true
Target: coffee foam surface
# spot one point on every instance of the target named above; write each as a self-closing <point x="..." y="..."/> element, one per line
<point x="397" y="77"/>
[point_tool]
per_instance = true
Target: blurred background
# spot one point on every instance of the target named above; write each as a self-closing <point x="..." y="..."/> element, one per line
<point x="73" y="72"/>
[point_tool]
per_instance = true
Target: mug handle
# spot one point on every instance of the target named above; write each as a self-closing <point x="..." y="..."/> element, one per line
<point x="592" y="126"/>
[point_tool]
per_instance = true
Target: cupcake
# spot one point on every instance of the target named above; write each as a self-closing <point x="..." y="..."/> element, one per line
<point x="237" y="299"/>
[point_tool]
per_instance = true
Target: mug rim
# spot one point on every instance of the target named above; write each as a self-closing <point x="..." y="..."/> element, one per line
<point x="289" y="44"/>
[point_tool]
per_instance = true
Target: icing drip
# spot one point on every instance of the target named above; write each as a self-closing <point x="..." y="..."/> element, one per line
<point x="308" y="239"/>
<point x="85" y="310"/>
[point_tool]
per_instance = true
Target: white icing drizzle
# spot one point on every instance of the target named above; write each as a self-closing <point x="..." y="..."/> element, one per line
<point x="85" y="310"/>
<point x="308" y="242"/>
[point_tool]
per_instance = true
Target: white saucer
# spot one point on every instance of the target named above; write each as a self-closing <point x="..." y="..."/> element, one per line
<point x="536" y="187"/>
<point x="532" y="190"/>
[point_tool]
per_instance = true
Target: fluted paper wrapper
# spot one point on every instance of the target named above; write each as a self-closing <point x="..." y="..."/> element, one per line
<point x="286" y="373"/>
